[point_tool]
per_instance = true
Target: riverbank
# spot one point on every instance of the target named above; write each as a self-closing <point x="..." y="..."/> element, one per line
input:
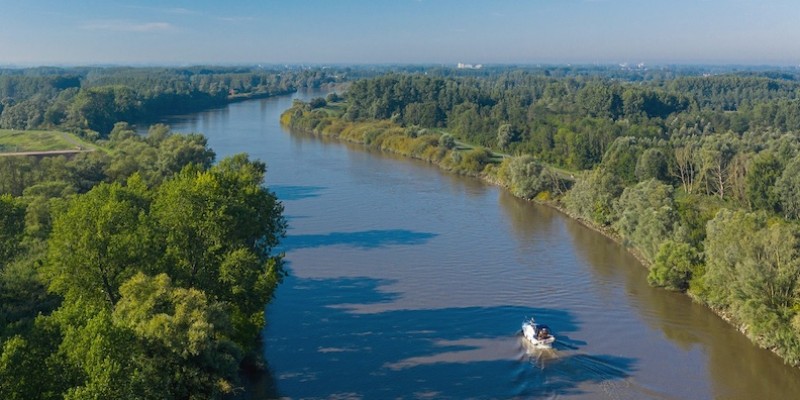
<point x="237" y="97"/>
<point x="541" y="185"/>
<point x="385" y="136"/>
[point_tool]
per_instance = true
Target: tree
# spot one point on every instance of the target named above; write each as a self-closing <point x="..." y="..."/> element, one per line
<point x="220" y="227"/>
<point x="102" y="356"/>
<point x="447" y="141"/>
<point x="525" y="177"/>
<point x="41" y="201"/>
<point x="506" y="134"/>
<point x="157" y="133"/>
<point x="12" y="225"/>
<point x="646" y="216"/>
<point x="425" y="114"/>
<point x="333" y="97"/>
<point x="31" y="366"/>
<point x="621" y="158"/>
<point x="723" y="251"/>
<point x="317" y="102"/>
<point x="752" y="272"/>
<point x="687" y="164"/>
<point x="787" y="188"/>
<point x="181" y="334"/>
<point x="716" y="153"/>
<point x="673" y="265"/>
<point x="750" y="260"/>
<point x="99" y="108"/>
<point x="134" y="155"/>
<point x="652" y="164"/>
<point x="101" y="240"/>
<point x="474" y="161"/>
<point x="177" y="151"/>
<point x="601" y="100"/>
<point x="27" y="114"/>
<point x="86" y="170"/>
<point x="763" y="173"/>
<point x="121" y="131"/>
<point x="592" y="197"/>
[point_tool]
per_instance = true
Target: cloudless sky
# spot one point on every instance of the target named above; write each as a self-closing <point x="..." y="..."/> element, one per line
<point x="399" y="31"/>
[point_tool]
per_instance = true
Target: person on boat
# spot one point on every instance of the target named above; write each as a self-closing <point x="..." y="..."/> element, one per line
<point x="544" y="333"/>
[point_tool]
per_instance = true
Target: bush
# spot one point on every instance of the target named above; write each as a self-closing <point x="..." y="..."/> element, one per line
<point x="447" y="141"/>
<point x="333" y="97"/>
<point x="524" y="176"/>
<point x="317" y="102"/>
<point x="592" y="196"/>
<point x="474" y="160"/>
<point x="674" y="264"/>
<point x="646" y="216"/>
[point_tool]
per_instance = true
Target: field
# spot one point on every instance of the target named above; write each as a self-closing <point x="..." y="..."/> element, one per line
<point x="12" y="141"/>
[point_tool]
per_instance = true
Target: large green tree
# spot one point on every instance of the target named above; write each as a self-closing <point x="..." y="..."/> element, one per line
<point x="752" y="272"/>
<point x="12" y="225"/>
<point x="646" y="216"/>
<point x="220" y="228"/>
<point x="102" y="239"/>
<point x="787" y="187"/>
<point x="763" y="173"/>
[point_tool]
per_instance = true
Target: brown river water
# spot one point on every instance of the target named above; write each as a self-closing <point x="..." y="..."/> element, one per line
<point x="409" y="282"/>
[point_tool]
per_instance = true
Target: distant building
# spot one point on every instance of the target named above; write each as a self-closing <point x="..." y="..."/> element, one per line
<point x="469" y="66"/>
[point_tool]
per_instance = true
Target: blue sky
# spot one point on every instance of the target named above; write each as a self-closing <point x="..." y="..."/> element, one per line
<point x="399" y="31"/>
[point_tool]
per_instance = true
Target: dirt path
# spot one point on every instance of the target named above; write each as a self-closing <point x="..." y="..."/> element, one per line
<point x="44" y="153"/>
<point x="71" y="140"/>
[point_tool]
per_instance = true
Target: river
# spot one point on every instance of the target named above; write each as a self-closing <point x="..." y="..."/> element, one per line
<point x="409" y="282"/>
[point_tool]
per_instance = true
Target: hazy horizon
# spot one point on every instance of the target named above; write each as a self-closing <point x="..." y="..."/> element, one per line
<point x="432" y="32"/>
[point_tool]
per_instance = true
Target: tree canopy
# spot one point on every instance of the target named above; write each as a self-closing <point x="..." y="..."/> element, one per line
<point x="149" y="280"/>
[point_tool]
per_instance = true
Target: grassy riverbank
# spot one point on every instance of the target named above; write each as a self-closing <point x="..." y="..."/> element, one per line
<point x="12" y="140"/>
<point x="655" y="221"/>
<point x="428" y="145"/>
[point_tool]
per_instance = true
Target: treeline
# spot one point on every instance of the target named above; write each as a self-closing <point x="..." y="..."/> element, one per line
<point x="698" y="175"/>
<point x="138" y="271"/>
<point x="571" y="121"/>
<point x="412" y="142"/>
<point x="91" y="100"/>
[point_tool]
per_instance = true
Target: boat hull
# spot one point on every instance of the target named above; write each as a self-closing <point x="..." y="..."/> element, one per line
<point x="530" y="331"/>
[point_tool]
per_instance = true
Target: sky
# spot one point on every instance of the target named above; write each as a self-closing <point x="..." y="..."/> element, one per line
<point x="61" y="32"/>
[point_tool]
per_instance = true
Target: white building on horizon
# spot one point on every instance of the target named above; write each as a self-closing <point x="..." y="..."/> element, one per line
<point x="469" y="66"/>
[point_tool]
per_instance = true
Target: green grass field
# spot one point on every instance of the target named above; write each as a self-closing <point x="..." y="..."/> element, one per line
<point x="17" y="141"/>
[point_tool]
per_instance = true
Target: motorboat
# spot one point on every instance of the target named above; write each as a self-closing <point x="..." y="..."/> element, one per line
<point x="537" y="334"/>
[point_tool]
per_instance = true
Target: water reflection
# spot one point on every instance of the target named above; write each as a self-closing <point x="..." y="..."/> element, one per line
<point x="363" y="159"/>
<point x="371" y="239"/>
<point x="294" y="192"/>
<point x="529" y="222"/>
<point x="324" y="347"/>
<point x="737" y="368"/>
<point x="409" y="282"/>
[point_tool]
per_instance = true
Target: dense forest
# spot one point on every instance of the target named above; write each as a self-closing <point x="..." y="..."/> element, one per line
<point x="141" y="269"/>
<point x="698" y="173"/>
<point x="90" y="100"/>
<point x="137" y="271"/>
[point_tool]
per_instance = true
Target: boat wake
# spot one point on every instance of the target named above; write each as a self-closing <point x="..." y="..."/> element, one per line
<point x="565" y="371"/>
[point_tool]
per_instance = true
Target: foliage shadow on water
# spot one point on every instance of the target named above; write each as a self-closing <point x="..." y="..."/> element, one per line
<point x="371" y="239"/>
<point x="293" y="192"/>
<point x="322" y="348"/>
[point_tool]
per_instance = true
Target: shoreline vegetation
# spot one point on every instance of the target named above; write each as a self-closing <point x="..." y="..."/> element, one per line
<point x="694" y="244"/>
<point x="133" y="266"/>
<point x="88" y="101"/>
<point x="137" y="271"/>
<point x="698" y="174"/>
